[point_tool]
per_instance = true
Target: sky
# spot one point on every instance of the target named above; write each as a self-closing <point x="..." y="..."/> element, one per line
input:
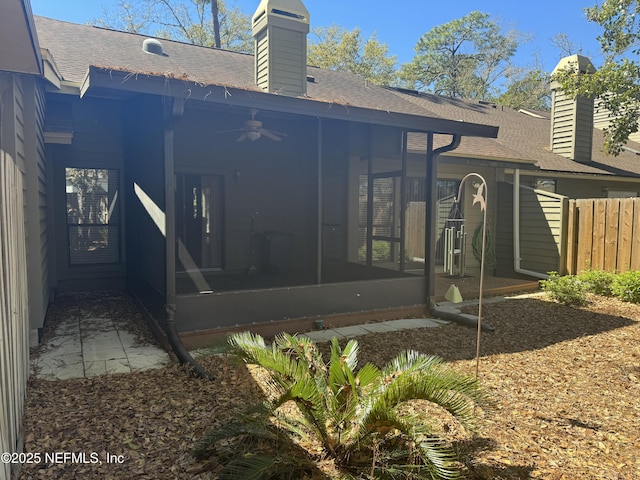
<point x="401" y="23"/>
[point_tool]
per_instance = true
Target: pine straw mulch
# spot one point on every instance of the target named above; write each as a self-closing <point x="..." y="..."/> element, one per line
<point x="565" y="383"/>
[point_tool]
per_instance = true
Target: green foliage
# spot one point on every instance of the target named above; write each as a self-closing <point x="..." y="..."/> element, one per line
<point x="338" y="49"/>
<point x="626" y="286"/>
<point x="527" y="89"/>
<point x="598" y="281"/>
<point x="566" y="289"/>
<point x="616" y="84"/>
<point x="463" y="58"/>
<point x="350" y="416"/>
<point x="573" y="289"/>
<point x="187" y="21"/>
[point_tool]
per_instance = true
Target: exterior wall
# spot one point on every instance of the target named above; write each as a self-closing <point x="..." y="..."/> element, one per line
<point x="14" y="281"/>
<point x="36" y="205"/>
<point x="473" y="215"/>
<point x="573" y="187"/>
<point x="144" y="145"/>
<point x="97" y="143"/>
<point x="541" y="230"/>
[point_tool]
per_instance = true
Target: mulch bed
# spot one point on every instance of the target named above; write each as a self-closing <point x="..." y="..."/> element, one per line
<point x="564" y="380"/>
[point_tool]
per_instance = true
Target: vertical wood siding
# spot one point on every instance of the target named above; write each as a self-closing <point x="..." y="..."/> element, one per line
<point x="14" y="321"/>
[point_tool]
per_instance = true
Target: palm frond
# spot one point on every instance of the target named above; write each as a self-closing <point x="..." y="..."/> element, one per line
<point x="265" y="467"/>
<point x="415" y="376"/>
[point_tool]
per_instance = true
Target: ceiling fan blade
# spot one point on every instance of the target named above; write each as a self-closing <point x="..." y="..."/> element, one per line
<point x="231" y="131"/>
<point x="270" y="135"/>
<point x="242" y="137"/>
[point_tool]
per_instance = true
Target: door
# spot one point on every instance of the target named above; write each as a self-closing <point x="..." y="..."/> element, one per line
<point x="199" y="222"/>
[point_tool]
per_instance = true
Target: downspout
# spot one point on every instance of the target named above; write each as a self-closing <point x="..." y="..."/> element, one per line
<point x="430" y="238"/>
<point x="175" y="110"/>
<point x="516" y="230"/>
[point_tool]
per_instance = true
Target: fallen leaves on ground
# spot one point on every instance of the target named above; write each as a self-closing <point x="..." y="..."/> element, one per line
<point x="565" y="383"/>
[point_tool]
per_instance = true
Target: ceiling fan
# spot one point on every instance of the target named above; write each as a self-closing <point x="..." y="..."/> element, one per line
<point x="252" y="130"/>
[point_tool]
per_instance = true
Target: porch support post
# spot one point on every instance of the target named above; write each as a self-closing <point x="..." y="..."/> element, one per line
<point x="403" y="202"/>
<point x="430" y="211"/>
<point x="369" y="198"/>
<point x="174" y="109"/>
<point x="320" y="211"/>
<point x="429" y="220"/>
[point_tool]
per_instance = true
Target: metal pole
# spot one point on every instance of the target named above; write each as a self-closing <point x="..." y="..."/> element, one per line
<point x="320" y="206"/>
<point x="481" y="198"/>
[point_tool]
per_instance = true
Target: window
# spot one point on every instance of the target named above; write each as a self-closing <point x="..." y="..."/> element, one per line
<point x="93" y="216"/>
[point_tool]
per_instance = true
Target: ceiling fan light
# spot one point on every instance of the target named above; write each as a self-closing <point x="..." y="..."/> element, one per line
<point x="253" y="136"/>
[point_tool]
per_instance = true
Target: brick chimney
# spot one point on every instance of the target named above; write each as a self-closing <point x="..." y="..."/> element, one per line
<point x="280" y="30"/>
<point x="572" y="119"/>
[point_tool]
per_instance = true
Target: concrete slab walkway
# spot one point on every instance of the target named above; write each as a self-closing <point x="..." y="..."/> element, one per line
<point x="89" y="345"/>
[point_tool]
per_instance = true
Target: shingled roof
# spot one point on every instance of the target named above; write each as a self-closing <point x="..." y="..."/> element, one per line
<point x="523" y="136"/>
<point x="80" y="49"/>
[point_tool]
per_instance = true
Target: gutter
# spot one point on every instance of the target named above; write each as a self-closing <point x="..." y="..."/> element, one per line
<point x="516" y="231"/>
<point x="453" y="315"/>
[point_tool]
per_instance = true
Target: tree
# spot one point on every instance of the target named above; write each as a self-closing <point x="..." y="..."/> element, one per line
<point x="464" y="58"/>
<point x="527" y="88"/>
<point x="339" y="49"/>
<point x="183" y="20"/>
<point x="352" y="417"/>
<point x="565" y="46"/>
<point x="215" y="19"/>
<point x="616" y="84"/>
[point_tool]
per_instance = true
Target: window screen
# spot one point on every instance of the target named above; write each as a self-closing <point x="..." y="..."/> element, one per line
<point x="93" y="216"/>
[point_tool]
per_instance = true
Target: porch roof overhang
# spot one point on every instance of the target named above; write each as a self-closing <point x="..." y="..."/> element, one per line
<point x="100" y="81"/>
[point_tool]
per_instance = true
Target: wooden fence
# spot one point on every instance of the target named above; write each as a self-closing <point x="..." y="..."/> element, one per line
<point x="603" y="234"/>
<point x="14" y="324"/>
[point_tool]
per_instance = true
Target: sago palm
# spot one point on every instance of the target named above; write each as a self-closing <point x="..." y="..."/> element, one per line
<point x="350" y="416"/>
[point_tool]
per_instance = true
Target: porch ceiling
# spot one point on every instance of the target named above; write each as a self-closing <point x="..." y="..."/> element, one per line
<point x="105" y="81"/>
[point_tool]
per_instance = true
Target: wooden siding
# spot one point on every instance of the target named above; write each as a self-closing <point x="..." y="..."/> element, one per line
<point x="571" y="127"/>
<point x="145" y="243"/>
<point x="602" y="117"/>
<point x="281" y="61"/>
<point x="97" y="143"/>
<point x="603" y="234"/>
<point x="36" y="206"/>
<point x="14" y="287"/>
<point x="542" y="230"/>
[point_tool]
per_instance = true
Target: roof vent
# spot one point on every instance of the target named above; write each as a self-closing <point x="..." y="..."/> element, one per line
<point x="151" y="45"/>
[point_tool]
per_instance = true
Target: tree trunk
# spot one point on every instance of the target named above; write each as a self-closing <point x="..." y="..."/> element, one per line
<point x="216" y="23"/>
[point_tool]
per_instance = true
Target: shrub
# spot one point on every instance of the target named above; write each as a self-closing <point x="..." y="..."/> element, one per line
<point x="626" y="286"/>
<point x="351" y="417"/>
<point x="566" y="289"/>
<point x="598" y="281"/>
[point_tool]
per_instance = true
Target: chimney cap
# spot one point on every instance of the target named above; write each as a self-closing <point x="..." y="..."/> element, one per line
<point x="577" y="63"/>
<point x="290" y="11"/>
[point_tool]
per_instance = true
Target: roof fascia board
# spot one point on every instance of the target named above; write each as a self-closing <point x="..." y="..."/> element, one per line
<point x="35" y="45"/>
<point x="581" y="176"/>
<point x="518" y="161"/>
<point x="99" y="77"/>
